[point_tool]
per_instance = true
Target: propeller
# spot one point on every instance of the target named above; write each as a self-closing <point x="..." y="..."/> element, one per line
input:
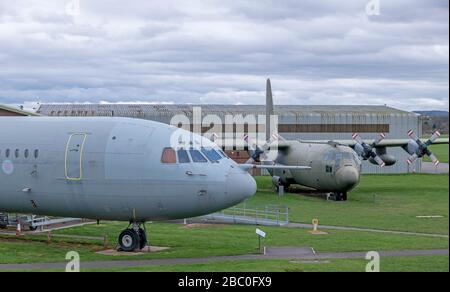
<point x="367" y="151"/>
<point x="256" y="152"/>
<point x="419" y="149"/>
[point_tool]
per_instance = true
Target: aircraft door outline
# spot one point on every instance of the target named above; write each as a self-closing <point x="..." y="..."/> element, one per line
<point x="73" y="160"/>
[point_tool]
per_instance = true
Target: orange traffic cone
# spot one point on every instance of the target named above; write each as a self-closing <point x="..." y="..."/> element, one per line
<point x="18" y="229"/>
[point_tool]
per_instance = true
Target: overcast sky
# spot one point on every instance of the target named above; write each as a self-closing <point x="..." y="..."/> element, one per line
<point x="316" y="52"/>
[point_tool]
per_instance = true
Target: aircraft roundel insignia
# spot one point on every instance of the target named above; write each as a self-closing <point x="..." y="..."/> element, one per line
<point x="8" y="167"/>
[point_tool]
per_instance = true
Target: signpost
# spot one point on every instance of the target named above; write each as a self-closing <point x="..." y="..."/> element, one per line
<point x="315" y="223"/>
<point x="261" y="234"/>
<point x="315" y="231"/>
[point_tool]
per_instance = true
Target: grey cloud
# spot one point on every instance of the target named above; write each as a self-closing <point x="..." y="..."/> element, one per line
<point x="222" y="51"/>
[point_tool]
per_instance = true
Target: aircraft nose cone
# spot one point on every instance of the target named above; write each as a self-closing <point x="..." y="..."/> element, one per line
<point x="347" y="178"/>
<point x="241" y="186"/>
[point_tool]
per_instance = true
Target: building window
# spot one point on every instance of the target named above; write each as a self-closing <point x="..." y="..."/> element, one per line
<point x="169" y="156"/>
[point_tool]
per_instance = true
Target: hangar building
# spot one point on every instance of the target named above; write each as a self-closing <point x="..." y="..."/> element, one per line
<point x="13" y="111"/>
<point x="295" y="122"/>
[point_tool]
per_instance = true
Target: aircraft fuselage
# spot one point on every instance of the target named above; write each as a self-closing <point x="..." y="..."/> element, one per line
<point x="109" y="169"/>
<point x="334" y="168"/>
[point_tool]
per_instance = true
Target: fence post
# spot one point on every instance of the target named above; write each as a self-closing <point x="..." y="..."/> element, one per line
<point x="105" y="241"/>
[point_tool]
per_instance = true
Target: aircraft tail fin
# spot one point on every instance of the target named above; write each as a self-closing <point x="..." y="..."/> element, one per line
<point x="269" y="108"/>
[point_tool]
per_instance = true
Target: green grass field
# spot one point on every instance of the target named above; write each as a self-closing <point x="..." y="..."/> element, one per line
<point x="441" y="152"/>
<point x="389" y="202"/>
<point x="399" y="199"/>
<point x="400" y="264"/>
<point x="394" y="264"/>
<point x="205" y="241"/>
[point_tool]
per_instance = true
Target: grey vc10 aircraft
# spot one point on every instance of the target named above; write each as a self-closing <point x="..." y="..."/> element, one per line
<point x="335" y="166"/>
<point x="114" y="169"/>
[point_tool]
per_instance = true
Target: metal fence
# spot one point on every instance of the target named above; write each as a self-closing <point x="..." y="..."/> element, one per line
<point x="271" y="215"/>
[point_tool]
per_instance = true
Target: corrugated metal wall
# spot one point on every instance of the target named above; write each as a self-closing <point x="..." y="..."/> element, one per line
<point x="399" y="121"/>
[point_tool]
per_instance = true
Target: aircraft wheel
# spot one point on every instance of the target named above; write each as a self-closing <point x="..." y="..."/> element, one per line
<point x="128" y="240"/>
<point x="142" y="238"/>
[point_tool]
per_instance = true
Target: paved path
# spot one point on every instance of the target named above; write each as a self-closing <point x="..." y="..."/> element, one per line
<point x="291" y="253"/>
<point x="429" y="167"/>
<point x="309" y="226"/>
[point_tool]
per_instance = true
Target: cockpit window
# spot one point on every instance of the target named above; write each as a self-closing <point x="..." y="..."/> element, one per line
<point x="330" y="156"/>
<point x="338" y="160"/>
<point x="183" y="156"/>
<point x="197" y="156"/>
<point x="212" y="155"/>
<point x="169" y="156"/>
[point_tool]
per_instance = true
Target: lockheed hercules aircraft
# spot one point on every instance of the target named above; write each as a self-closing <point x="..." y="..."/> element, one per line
<point x="335" y="166"/>
<point x="114" y="169"/>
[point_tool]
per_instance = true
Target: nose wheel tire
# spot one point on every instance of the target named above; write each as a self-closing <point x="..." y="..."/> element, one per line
<point x="129" y="240"/>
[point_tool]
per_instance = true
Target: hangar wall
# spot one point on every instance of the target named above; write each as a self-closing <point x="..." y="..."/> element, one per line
<point x="297" y="122"/>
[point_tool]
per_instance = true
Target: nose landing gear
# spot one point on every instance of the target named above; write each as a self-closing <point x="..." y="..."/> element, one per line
<point x="339" y="196"/>
<point x="134" y="238"/>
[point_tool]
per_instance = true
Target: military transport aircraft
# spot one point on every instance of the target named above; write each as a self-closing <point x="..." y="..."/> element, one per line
<point x="114" y="169"/>
<point x="335" y="166"/>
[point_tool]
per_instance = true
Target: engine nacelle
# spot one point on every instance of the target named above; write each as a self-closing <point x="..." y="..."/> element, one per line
<point x="359" y="149"/>
<point x="389" y="160"/>
<point x="412" y="147"/>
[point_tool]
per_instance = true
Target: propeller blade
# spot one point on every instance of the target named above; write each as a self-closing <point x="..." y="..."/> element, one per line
<point x="252" y="146"/>
<point x="380" y="161"/>
<point x="412" y="158"/>
<point x="380" y="138"/>
<point x="433" y="138"/>
<point x="433" y="158"/>
<point x="272" y="139"/>
<point x="377" y="159"/>
<point x="250" y="161"/>
<point x="357" y="138"/>
<point x="413" y="135"/>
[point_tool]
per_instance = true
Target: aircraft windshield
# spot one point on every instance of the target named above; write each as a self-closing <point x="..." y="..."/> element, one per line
<point x="340" y="159"/>
<point x="197" y="156"/>
<point x="183" y="156"/>
<point x="212" y="155"/>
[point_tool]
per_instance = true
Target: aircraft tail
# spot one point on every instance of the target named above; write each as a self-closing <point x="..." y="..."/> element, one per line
<point x="269" y="108"/>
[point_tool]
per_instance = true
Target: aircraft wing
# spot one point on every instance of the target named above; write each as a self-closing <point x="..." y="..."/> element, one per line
<point x="248" y="167"/>
<point x="384" y="143"/>
<point x="231" y="144"/>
